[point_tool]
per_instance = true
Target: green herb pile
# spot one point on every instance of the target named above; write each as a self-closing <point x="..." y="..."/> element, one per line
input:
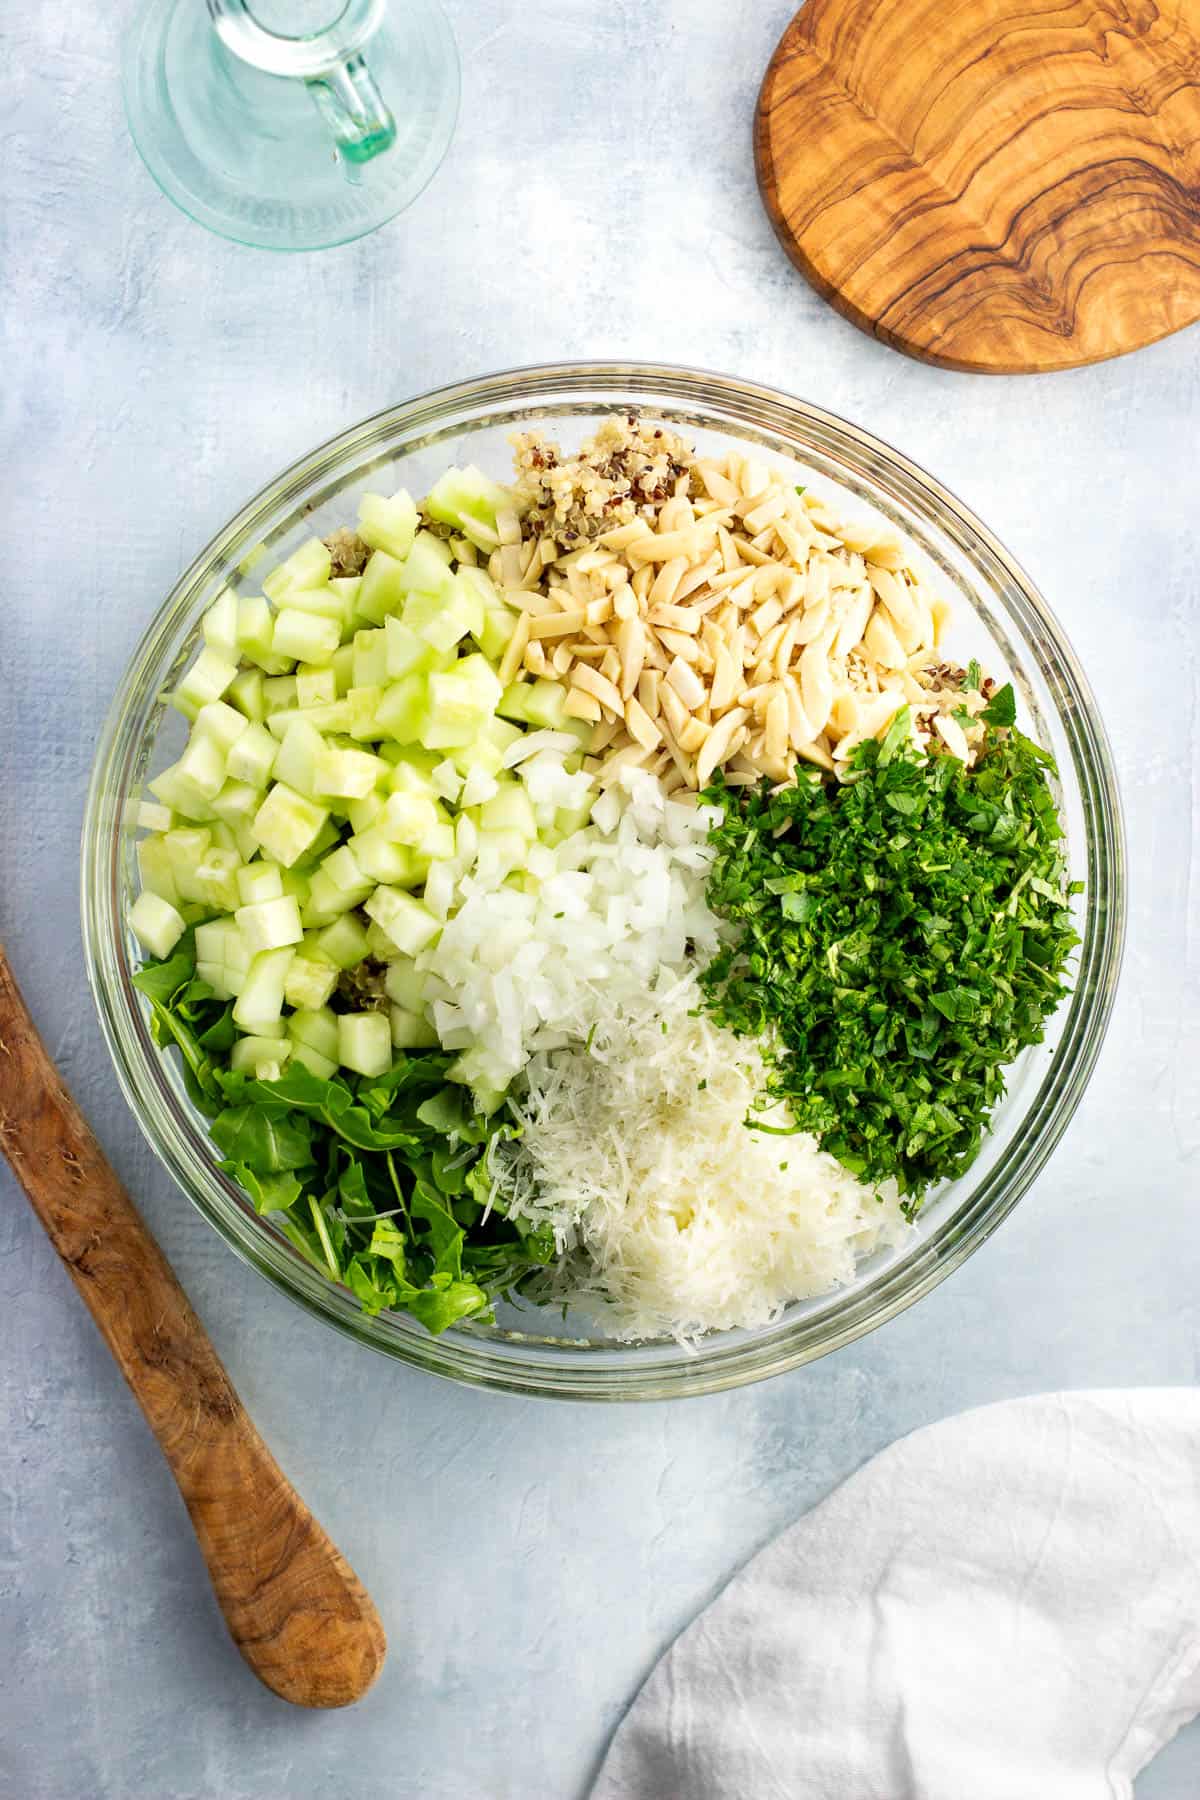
<point x="381" y="1183"/>
<point x="902" y="936"/>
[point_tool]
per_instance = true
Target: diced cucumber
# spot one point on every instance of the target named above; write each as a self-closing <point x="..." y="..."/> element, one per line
<point x="381" y="590"/>
<point x="202" y="766"/>
<point x="156" y="870"/>
<point x="148" y="815"/>
<point x="405" y="984"/>
<point x="499" y="623"/>
<point x="363" y="724"/>
<point x="307" y="567"/>
<point x="427" y="565"/>
<point x="280" y="694"/>
<point x="306" y="636"/>
<point x="342" y="868"/>
<point x="220" y="624"/>
<point x="379" y="944"/>
<point x="460" y="702"/>
<point x="344" y="943"/>
<point x="441" y="620"/>
<point x="323" y="1067"/>
<point x="464" y="496"/>
<point x="545" y="704"/>
<point x="246" y="693"/>
<point x="261" y="999"/>
<point x="220" y="724"/>
<point x="365" y="1042"/>
<point x="342" y="666"/>
<point x="388" y="525"/>
<point x="479" y="786"/>
<point x="252" y="757"/>
<point x="309" y="982"/>
<point x="237" y="803"/>
<point x="326" y="901"/>
<point x="371" y="658"/>
<point x="262" y="1057"/>
<point x="321" y="601"/>
<point x="255" y="635"/>
<point x="403" y="709"/>
<point x="509" y="809"/>
<point x="333" y="715"/>
<point x="411" y="1031"/>
<point x="385" y="861"/>
<point x="347" y="774"/>
<point x="296" y="758"/>
<point x="315" y="687"/>
<point x="409" y="924"/>
<point x="259" y="881"/>
<point x="270" y="924"/>
<point x="408" y="817"/>
<point x="155" y="923"/>
<point x="447" y="781"/>
<point x="329" y="834"/>
<point x="213" y="883"/>
<point x="363" y="813"/>
<point x="315" y="1026"/>
<point x="206" y="680"/>
<point x="406" y="652"/>
<point x="287" y="824"/>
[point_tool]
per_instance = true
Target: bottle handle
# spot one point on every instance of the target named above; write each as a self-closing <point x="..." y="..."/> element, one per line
<point x="329" y="62"/>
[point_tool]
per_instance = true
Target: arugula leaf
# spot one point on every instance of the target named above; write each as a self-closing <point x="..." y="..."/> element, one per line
<point x="270" y="1193"/>
<point x="1001" y="709"/>
<point x="265" y="1144"/>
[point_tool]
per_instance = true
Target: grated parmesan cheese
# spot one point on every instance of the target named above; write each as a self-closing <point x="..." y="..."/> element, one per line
<point x="636" y="1153"/>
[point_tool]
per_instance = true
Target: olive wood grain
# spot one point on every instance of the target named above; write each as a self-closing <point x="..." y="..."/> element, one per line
<point x="1006" y="186"/>
<point x="296" y="1610"/>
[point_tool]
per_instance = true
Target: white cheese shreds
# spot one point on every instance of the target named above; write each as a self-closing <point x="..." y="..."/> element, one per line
<point x="517" y="971"/>
<point x="636" y="1153"/>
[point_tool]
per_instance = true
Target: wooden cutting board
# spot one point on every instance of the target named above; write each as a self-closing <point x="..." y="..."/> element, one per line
<point x="997" y="185"/>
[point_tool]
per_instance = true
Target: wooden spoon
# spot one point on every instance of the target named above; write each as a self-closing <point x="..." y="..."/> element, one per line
<point x="295" y="1608"/>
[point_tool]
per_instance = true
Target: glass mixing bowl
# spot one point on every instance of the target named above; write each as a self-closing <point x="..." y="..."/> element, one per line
<point x="998" y="616"/>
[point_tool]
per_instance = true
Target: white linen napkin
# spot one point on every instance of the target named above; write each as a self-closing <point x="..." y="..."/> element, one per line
<point x="1003" y="1606"/>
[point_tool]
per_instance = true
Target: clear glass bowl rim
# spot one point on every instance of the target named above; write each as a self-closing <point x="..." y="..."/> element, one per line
<point x="539" y="1366"/>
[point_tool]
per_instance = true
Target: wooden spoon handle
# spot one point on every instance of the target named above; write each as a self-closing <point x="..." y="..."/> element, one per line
<point x="297" y="1611"/>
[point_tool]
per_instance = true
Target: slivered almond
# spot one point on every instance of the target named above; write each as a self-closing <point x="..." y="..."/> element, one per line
<point x="628" y="756"/>
<point x="662" y="589"/>
<point x="641" y="580"/>
<point x="514" y="650"/>
<point x="765" y="616"/>
<point x="720" y="743"/>
<point x="579" y="705"/>
<point x="696" y="577"/>
<point x="953" y="736"/>
<point x="647" y="691"/>
<point x="816" y="685"/>
<point x="777" y="725"/>
<point x="678" y="643"/>
<point x="680" y="618"/>
<point x="610" y="666"/>
<point x="781" y="656"/>
<point x="631" y="647"/>
<point x="686" y="683"/>
<point x="756" y="696"/>
<point x="558" y="624"/>
<point x="528" y="601"/>
<point x="726" y="679"/>
<point x="619" y="537"/>
<point x="562" y="659"/>
<point x="718" y="485"/>
<point x="693" y="735"/>
<point x="683" y="763"/>
<point x="592" y="682"/>
<point x="800" y="730"/>
<point x="625" y="604"/>
<point x="599" y="612"/>
<point x="672" y="708"/>
<point x="604" y="734"/>
<point x="535" y="658"/>
<point x="641" y="726"/>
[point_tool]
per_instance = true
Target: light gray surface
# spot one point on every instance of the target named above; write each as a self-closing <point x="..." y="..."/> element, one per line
<point x="531" y="1560"/>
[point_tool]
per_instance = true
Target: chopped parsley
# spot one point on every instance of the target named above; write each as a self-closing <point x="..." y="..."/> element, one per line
<point x="901" y="935"/>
